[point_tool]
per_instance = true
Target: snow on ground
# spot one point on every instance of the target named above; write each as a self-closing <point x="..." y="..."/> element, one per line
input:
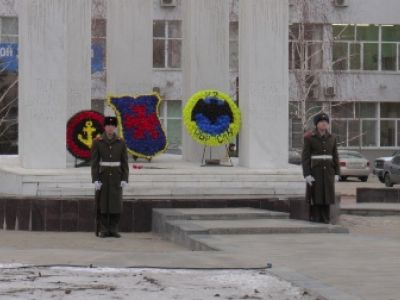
<point x="105" y="283"/>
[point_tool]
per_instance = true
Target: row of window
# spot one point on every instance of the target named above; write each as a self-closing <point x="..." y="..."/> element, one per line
<point x="356" y="124"/>
<point x="354" y="47"/>
<point x="167" y="44"/>
<point x="366" y="47"/>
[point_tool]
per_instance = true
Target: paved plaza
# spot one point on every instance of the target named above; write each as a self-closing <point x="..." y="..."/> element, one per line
<point x="361" y="265"/>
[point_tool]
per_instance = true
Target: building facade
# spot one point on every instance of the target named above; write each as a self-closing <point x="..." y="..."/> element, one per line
<point x="344" y="58"/>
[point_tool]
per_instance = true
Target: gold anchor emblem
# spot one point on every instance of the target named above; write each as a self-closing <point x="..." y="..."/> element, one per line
<point x="88" y="131"/>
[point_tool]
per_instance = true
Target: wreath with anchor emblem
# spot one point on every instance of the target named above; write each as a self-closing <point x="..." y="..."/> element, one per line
<point x="212" y="118"/>
<point x="82" y="129"/>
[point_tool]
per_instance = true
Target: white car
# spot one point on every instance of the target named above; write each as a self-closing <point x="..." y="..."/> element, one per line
<point x="353" y="164"/>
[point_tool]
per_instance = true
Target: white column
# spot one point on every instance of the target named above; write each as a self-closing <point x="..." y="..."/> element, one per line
<point x="48" y="77"/>
<point x="129" y="47"/>
<point x="205" y="56"/>
<point x="79" y="32"/>
<point x="264" y="83"/>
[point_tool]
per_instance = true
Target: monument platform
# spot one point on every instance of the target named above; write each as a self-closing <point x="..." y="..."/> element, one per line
<point x="62" y="199"/>
<point x="168" y="176"/>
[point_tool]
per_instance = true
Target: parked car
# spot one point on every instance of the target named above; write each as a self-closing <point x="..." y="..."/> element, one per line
<point x="353" y="164"/>
<point x="379" y="165"/>
<point x="391" y="171"/>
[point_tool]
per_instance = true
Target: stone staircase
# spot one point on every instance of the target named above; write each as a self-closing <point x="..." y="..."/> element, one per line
<point x="192" y="227"/>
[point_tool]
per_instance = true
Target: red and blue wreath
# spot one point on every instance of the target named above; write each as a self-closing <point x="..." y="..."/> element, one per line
<point x="139" y="124"/>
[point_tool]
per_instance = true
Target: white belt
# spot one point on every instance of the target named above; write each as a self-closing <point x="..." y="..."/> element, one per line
<point x="110" y="163"/>
<point x="321" y="157"/>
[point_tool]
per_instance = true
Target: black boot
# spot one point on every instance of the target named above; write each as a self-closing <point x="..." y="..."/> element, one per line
<point x="114" y="234"/>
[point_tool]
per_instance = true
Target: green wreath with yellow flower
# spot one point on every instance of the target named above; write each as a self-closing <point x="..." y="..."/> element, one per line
<point x="212" y="118"/>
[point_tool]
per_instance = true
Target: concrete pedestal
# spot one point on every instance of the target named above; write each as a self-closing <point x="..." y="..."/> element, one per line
<point x="54" y="80"/>
<point x="264" y="83"/>
<point x="205" y="57"/>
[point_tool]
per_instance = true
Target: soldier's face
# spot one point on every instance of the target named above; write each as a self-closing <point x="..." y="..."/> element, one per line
<point x="109" y="129"/>
<point x="323" y="126"/>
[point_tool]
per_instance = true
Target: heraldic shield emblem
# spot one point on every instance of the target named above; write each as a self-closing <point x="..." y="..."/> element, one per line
<point x="139" y="124"/>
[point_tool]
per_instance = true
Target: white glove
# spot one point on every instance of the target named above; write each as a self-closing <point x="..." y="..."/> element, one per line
<point x="337" y="177"/>
<point x="309" y="179"/>
<point x="124" y="184"/>
<point x="97" y="185"/>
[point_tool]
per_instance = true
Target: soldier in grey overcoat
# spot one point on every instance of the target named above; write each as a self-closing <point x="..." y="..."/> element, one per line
<point x="110" y="173"/>
<point x="320" y="163"/>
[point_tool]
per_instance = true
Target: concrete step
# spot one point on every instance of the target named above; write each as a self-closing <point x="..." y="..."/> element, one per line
<point x="169" y="178"/>
<point x="172" y="184"/>
<point x="184" y="225"/>
<point x="258" y="226"/>
<point x="177" y="190"/>
<point x="242" y="213"/>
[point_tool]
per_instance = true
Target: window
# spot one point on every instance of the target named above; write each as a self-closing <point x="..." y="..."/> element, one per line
<point x="390" y="33"/>
<point x="167" y="44"/>
<point x="9" y="44"/>
<point x="344" y="32"/>
<point x="340" y="51"/>
<point x="98" y="45"/>
<point x="398" y="132"/>
<point x="366" y="47"/>
<point x="8" y="80"/>
<point x="365" y="110"/>
<point x="388" y="129"/>
<point x="234" y="46"/>
<point x="306" y="46"/>
<point x="98" y="63"/>
<point x="355" y="123"/>
<point x="355" y="57"/>
<point x="295" y="126"/>
<point x="353" y="133"/>
<point x="342" y="110"/>
<point x="368" y="133"/>
<point x="171" y="119"/>
<point x="9" y="30"/>
<point x="339" y="128"/>
<point x="390" y="113"/>
<point x="396" y="160"/>
<point x="347" y="132"/>
<point x="367" y="33"/>
<point x="296" y="133"/>
<point x="366" y="124"/>
<point x="370" y="54"/>
<point x="390" y="110"/>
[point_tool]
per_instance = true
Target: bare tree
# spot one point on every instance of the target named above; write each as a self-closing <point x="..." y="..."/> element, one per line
<point x="8" y="109"/>
<point x="311" y="42"/>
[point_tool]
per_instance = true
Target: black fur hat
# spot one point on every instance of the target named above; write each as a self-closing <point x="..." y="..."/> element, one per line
<point x="110" y="121"/>
<point x="321" y="117"/>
